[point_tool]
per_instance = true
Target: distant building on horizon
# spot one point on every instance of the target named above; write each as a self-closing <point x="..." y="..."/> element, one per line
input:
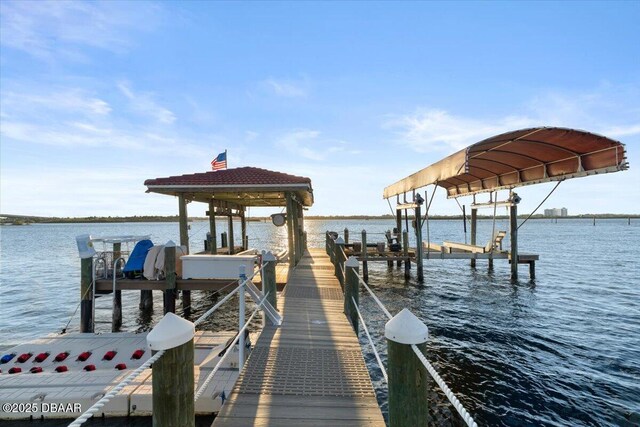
<point x="556" y="212"/>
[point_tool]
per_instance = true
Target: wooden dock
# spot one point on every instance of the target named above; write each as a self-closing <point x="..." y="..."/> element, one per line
<point x="310" y="370"/>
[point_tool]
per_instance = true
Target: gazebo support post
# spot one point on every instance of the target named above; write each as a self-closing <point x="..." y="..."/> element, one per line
<point x="292" y="254"/>
<point x="243" y="227"/>
<point x="184" y="240"/>
<point x="230" y="237"/>
<point x="213" y="243"/>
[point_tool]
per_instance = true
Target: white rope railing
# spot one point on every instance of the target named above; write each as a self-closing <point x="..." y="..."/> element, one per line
<point x="445" y="388"/>
<point x="447" y="391"/>
<point x="115" y="390"/>
<point x="235" y="340"/>
<point x="373" y="347"/>
<point x="375" y="298"/>
<point x="226" y="298"/>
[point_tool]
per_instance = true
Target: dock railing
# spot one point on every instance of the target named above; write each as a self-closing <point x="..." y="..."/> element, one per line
<point x="172" y="341"/>
<point x="406" y="337"/>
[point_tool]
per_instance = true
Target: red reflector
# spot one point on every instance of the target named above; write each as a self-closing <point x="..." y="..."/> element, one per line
<point x="137" y="354"/>
<point x="24" y="357"/>
<point x="35" y="370"/>
<point x="61" y="369"/>
<point x="90" y="368"/>
<point x="60" y="357"/>
<point x="121" y="366"/>
<point x="109" y="355"/>
<point x="15" y="370"/>
<point x="39" y="358"/>
<point x="84" y="356"/>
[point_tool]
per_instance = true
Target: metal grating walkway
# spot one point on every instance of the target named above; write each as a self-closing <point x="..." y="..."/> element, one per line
<point x="309" y="371"/>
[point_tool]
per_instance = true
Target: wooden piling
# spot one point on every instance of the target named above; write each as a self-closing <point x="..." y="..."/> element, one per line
<point x="224" y="242"/>
<point x="351" y="290"/>
<point x="269" y="279"/>
<point x="594" y="221"/>
<point x="116" y="313"/>
<point x="408" y="385"/>
<point x="532" y="270"/>
<point x="86" y="295"/>
<point x="346" y="236"/>
<point x="513" y="220"/>
<point x="405" y="252"/>
<point x="172" y="375"/>
<point x="365" y="263"/>
<point x="339" y="264"/>
<point x="474" y="231"/>
<point x="326" y="242"/>
<point x="170" y="277"/>
<point x="213" y="243"/>
<point x="419" y="251"/>
<point x="230" y="243"/>
<point x="146" y="300"/>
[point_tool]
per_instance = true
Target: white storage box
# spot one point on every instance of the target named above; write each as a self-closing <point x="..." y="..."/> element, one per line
<point x="216" y="266"/>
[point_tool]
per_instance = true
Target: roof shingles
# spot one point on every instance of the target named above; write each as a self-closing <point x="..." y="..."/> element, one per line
<point x="230" y="177"/>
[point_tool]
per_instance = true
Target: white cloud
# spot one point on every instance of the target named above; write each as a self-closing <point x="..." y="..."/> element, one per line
<point x="287" y="88"/>
<point x="62" y="29"/>
<point x="70" y="101"/>
<point x="144" y="103"/>
<point x="610" y="111"/>
<point x="438" y="130"/>
<point x="309" y="144"/>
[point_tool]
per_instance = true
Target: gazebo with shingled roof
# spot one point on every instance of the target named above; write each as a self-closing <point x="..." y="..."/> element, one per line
<point x="229" y="192"/>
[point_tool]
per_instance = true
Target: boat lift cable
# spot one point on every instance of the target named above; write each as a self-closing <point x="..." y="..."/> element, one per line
<point x="464" y="218"/>
<point x="64" y="330"/>
<point x="373" y="347"/>
<point x="390" y="208"/>
<point x="493" y="231"/>
<point x="206" y="382"/>
<point x="538" y="207"/>
<point x="115" y="390"/>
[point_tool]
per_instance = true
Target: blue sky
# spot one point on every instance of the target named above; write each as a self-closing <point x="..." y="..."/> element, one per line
<point x="97" y="97"/>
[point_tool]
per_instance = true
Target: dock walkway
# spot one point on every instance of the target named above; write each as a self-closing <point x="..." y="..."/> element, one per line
<point x="310" y="370"/>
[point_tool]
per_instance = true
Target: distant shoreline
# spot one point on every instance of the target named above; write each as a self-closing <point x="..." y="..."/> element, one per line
<point x="8" y="219"/>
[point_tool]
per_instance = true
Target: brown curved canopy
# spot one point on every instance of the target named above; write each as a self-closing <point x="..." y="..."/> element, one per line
<point x="521" y="157"/>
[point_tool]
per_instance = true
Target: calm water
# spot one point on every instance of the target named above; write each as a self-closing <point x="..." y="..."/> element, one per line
<point x="561" y="350"/>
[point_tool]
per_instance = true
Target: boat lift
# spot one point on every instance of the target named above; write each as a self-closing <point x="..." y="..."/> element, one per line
<point x="503" y="162"/>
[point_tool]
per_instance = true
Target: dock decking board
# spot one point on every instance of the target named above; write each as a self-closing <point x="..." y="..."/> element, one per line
<point x="310" y="370"/>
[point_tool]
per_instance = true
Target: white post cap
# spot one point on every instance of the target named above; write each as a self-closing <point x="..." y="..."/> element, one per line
<point x="406" y="328"/>
<point x="352" y="262"/>
<point x="339" y="241"/>
<point x="268" y="256"/>
<point x="170" y="332"/>
<point x="170" y="244"/>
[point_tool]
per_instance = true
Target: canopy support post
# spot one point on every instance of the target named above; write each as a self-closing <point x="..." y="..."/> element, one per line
<point x="399" y="230"/>
<point x="474" y="228"/>
<point x="513" y="220"/>
<point x="419" y="252"/>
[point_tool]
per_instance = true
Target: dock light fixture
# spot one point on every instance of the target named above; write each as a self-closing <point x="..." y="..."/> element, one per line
<point x="279" y="219"/>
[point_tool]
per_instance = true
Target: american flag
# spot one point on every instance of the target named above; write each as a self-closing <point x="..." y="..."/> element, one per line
<point x="220" y="162"/>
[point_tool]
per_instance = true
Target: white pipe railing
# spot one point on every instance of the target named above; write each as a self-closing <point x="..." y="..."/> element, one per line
<point x="226" y="354"/>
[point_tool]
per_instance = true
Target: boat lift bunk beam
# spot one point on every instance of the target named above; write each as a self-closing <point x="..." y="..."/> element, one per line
<point x="504" y="162"/>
